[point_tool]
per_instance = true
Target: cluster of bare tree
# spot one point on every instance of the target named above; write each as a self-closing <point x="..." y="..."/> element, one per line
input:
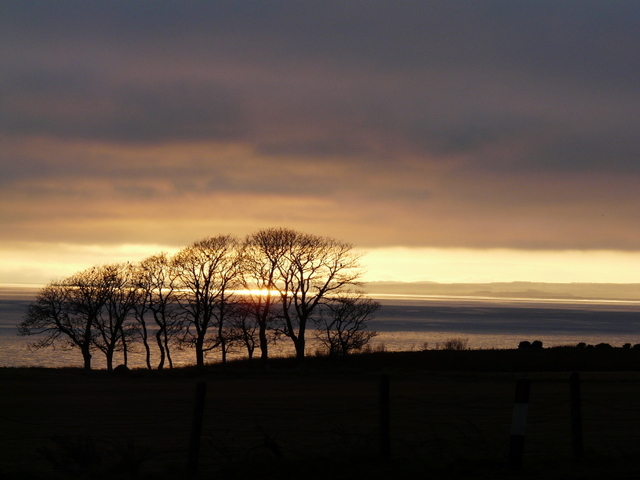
<point x="217" y="294"/>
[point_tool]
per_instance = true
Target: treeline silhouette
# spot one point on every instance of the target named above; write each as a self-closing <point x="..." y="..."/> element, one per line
<point x="217" y="294"/>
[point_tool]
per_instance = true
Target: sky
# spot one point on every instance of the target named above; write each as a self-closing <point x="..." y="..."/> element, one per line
<point x="449" y="140"/>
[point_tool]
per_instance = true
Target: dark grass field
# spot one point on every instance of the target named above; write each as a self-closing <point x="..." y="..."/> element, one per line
<point x="450" y="417"/>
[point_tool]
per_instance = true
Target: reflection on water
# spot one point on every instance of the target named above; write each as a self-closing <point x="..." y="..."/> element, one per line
<point x="15" y="352"/>
<point x="394" y="341"/>
<point x="403" y="323"/>
<point x="523" y="301"/>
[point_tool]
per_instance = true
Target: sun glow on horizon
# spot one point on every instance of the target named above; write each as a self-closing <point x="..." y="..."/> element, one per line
<point x="456" y="265"/>
<point x="258" y="292"/>
<point x="40" y="263"/>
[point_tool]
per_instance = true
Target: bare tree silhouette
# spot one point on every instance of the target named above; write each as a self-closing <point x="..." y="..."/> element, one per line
<point x="342" y="325"/>
<point x="111" y="327"/>
<point x="52" y="316"/>
<point x="306" y="269"/>
<point x="215" y="294"/>
<point x="156" y="278"/>
<point x="208" y="272"/>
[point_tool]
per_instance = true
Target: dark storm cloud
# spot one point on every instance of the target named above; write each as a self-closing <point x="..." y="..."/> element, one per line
<point x="399" y="53"/>
<point x="82" y="105"/>
<point x="421" y="109"/>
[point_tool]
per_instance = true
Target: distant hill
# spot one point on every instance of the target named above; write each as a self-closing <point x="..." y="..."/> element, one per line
<point x="577" y="291"/>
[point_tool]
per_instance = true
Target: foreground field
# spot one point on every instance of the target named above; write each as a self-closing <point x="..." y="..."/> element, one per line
<point x="446" y="422"/>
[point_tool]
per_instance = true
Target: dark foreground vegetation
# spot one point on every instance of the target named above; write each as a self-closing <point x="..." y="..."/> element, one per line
<point x="450" y="417"/>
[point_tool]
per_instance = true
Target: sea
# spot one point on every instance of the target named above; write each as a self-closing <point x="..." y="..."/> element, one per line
<point x="403" y="323"/>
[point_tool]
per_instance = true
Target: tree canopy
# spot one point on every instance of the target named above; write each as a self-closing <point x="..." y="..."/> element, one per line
<point x="219" y="293"/>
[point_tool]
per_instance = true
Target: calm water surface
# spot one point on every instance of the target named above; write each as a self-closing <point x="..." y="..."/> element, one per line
<point x="403" y="323"/>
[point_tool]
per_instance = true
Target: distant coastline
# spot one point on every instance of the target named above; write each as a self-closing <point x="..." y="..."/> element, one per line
<point x="503" y="290"/>
<point x="510" y="290"/>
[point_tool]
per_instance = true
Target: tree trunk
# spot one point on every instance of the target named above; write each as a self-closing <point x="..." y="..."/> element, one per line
<point x="86" y="355"/>
<point x="300" y="344"/>
<point x="125" y="351"/>
<point x="223" y="342"/>
<point x="264" y="345"/>
<point x="224" y="356"/>
<point x="161" y="348"/>
<point x="109" y="356"/>
<point x="86" y="345"/>
<point x="145" y="342"/>
<point x="200" y="353"/>
<point x="166" y="347"/>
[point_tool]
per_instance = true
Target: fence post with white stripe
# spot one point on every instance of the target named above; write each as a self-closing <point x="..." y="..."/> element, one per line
<point x="519" y="423"/>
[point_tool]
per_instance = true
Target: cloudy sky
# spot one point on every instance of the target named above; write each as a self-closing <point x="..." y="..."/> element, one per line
<point x="452" y="140"/>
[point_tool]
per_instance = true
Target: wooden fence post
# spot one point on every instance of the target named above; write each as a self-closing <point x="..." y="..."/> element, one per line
<point x="519" y="422"/>
<point x="576" y="415"/>
<point x="196" y="429"/>
<point x="385" y="417"/>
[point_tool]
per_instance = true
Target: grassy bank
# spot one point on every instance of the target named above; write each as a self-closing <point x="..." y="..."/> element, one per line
<point x="450" y="418"/>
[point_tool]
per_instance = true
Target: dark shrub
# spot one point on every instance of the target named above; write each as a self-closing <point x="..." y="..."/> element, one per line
<point x="581" y="345"/>
<point x="536" y="345"/>
<point x="457" y="344"/>
<point x="524" y="345"/>
<point x="603" y="346"/>
<point x="626" y="346"/>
